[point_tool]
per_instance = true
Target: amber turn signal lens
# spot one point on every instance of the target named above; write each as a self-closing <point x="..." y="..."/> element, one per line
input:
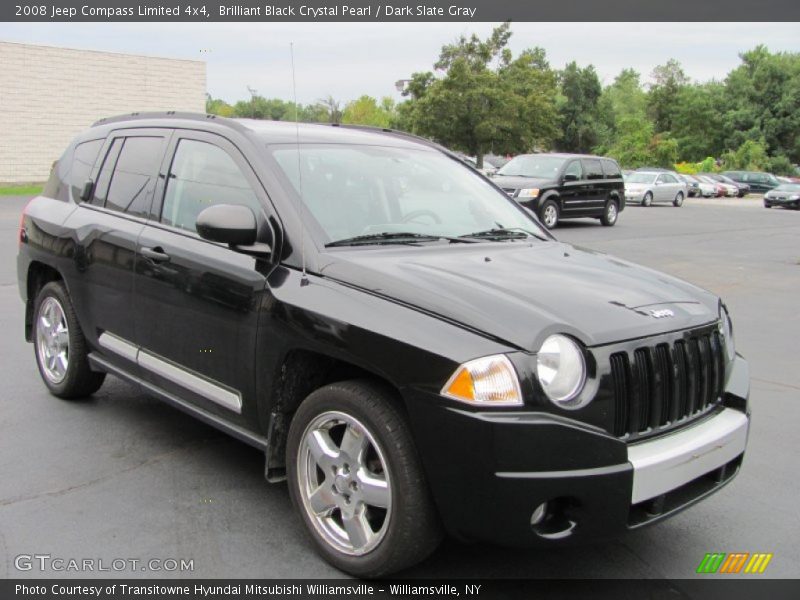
<point x="488" y="381"/>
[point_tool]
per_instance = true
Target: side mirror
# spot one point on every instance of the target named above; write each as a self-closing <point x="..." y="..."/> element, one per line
<point x="231" y="224"/>
<point x="570" y="177"/>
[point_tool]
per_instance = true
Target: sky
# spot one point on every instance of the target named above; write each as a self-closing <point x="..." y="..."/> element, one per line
<point x="346" y="60"/>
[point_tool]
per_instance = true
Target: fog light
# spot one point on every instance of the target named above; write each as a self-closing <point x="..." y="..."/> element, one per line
<point x="539" y="513"/>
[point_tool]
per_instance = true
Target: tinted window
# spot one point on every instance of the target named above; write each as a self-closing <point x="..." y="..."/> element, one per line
<point x="592" y="168"/>
<point x="104" y="176"/>
<point x="612" y="169"/>
<point x="574" y="168"/>
<point x="532" y="165"/>
<point x="137" y="166"/>
<point x="83" y="160"/>
<point x="202" y="175"/>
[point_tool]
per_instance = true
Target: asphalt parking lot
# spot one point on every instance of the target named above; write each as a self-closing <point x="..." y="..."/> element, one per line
<point x="124" y="476"/>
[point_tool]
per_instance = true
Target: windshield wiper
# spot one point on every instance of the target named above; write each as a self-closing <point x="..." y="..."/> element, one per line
<point x="394" y="237"/>
<point x="504" y="233"/>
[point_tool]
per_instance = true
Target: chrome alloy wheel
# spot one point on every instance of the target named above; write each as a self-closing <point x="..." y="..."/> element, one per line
<point x="611" y="213"/>
<point x="52" y="340"/>
<point x="550" y="215"/>
<point x="344" y="483"/>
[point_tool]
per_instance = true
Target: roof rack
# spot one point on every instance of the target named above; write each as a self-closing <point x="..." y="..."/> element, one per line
<point x="167" y="114"/>
<point x="389" y="131"/>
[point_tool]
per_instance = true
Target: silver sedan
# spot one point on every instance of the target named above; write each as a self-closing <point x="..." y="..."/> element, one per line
<point x="646" y="187"/>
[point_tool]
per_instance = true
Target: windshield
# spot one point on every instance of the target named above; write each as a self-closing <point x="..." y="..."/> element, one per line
<point x="788" y="187"/>
<point x="532" y="165"/>
<point x="641" y="178"/>
<point x="354" y="191"/>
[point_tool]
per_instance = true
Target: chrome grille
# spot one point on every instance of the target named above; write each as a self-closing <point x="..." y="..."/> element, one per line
<point x="659" y="385"/>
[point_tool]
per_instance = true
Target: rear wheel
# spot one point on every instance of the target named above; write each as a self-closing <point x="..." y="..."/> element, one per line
<point x="60" y="348"/>
<point x="548" y="214"/>
<point x="648" y="199"/>
<point x="356" y="479"/>
<point x="610" y="213"/>
<point x="678" y="199"/>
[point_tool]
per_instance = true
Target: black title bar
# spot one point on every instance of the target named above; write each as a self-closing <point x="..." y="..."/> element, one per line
<point x="397" y="11"/>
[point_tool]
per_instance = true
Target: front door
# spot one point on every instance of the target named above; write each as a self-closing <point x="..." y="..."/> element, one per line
<point x="198" y="302"/>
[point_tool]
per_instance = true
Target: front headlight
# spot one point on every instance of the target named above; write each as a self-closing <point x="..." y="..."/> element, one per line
<point x="528" y="193"/>
<point x="795" y="197"/>
<point x="488" y="381"/>
<point x="561" y="369"/>
<point x="727" y="331"/>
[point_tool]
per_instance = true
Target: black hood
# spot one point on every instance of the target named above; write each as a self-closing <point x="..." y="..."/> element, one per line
<point x="518" y="183"/>
<point x="521" y="292"/>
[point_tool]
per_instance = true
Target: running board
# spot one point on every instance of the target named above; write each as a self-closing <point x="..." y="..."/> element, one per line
<point x="101" y="364"/>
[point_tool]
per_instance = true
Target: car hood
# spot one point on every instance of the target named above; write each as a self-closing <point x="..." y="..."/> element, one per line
<point x="518" y="183"/>
<point x="521" y="292"/>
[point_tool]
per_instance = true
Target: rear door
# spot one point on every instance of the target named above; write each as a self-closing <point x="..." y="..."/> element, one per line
<point x="197" y="302"/>
<point x="106" y="227"/>
<point x="595" y="189"/>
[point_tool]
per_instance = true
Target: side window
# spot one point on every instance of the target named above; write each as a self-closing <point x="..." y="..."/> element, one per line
<point x="574" y="168"/>
<point x="611" y="169"/>
<point x="202" y="175"/>
<point x="592" y="168"/>
<point x="669" y="178"/>
<point x="83" y="159"/>
<point x="137" y="165"/>
<point x="104" y="176"/>
<point x="661" y="179"/>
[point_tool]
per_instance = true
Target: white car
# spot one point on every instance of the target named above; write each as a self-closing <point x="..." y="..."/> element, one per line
<point x="646" y="187"/>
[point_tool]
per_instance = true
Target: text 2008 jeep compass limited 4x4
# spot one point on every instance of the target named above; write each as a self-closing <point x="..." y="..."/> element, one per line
<point x="408" y="345"/>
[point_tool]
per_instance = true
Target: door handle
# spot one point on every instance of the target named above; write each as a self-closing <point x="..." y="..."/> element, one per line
<point x="156" y="254"/>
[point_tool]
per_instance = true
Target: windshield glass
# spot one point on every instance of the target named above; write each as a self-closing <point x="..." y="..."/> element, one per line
<point x="641" y="178"/>
<point x="354" y="190"/>
<point x="788" y="187"/>
<point x="532" y="165"/>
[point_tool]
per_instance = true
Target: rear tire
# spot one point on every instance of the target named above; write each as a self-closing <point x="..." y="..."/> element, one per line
<point x="60" y="348"/>
<point x="678" y="200"/>
<point x="548" y="214"/>
<point x="610" y="213"/>
<point x="648" y="199"/>
<point x="356" y="479"/>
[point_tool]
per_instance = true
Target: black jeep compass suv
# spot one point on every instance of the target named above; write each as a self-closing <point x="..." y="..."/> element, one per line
<point x="405" y="343"/>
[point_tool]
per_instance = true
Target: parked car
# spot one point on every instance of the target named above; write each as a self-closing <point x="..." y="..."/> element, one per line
<point x="786" y="195"/>
<point x="646" y="187"/>
<point x="565" y="186"/>
<point x="487" y="169"/>
<point x="719" y="189"/>
<point x="708" y="188"/>
<point x="758" y="181"/>
<point x="405" y="343"/>
<point x="732" y="188"/>
<point x="692" y="185"/>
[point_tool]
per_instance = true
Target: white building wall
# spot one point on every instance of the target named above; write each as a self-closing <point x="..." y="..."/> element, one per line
<point x="48" y="95"/>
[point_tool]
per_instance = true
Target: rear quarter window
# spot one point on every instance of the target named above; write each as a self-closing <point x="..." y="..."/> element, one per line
<point x="611" y="169"/>
<point x="80" y="167"/>
<point x="592" y="168"/>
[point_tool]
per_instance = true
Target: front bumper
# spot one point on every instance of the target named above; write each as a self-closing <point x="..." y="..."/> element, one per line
<point x="784" y="203"/>
<point x="490" y="471"/>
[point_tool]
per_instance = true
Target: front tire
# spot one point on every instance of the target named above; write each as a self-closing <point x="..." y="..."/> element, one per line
<point x="60" y="348"/>
<point x="355" y="477"/>
<point x="678" y="200"/>
<point x="610" y="214"/>
<point x="648" y="199"/>
<point x="548" y="214"/>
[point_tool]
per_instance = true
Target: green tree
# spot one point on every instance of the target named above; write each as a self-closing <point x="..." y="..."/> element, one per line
<point x="751" y="155"/>
<point x="217" y="106"/>
<point x="482" y="99"/>
<point x="578" y="108"/>
<point x="668" y="81"/>
<point x="623" y="99"/>
<point x="698" y="120"/>
<point x="366" y="111"/>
